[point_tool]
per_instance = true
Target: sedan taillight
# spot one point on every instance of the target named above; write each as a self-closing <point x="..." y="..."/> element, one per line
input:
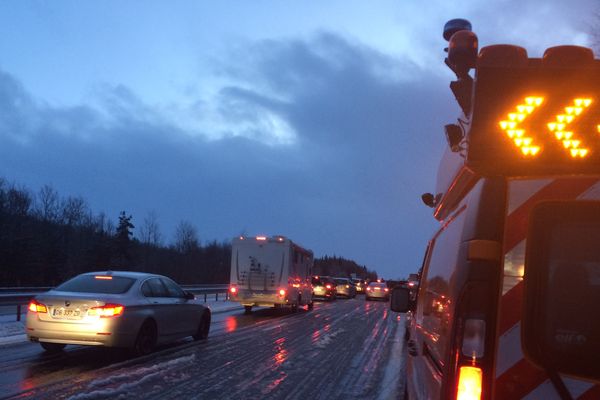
<point x="107" y="310"/>
<point x="36" y="306"/>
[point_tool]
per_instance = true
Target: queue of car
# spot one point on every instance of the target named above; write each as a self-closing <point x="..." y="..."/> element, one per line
<point x="139" y="311"/>
<point x="330" y="288"/>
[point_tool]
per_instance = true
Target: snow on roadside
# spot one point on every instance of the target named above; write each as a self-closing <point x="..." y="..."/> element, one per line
<point x="118" y="386"/>
<point x="12" y="332"/>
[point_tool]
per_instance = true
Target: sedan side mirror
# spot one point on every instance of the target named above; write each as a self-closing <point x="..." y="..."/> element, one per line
<point x="400" y="301"/>
<point x="190" y="296"/>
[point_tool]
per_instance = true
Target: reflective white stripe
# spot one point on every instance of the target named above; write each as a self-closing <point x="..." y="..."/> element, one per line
<point x="519" y="191"/>
<point x="592" y="193"/>
<point x="509" y="349"/>
<point x="514" y="266"/>
<point x="547" y="391"/>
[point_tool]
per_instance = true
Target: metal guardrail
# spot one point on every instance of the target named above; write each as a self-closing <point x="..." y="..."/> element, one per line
<point x="19" y="297"/>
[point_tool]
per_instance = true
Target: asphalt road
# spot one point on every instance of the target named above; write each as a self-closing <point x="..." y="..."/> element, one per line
<point x="347" y="349"/>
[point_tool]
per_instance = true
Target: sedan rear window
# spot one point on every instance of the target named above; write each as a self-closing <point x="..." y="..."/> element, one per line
<point x="97" y="284"/>
<point x="381" y="285"/>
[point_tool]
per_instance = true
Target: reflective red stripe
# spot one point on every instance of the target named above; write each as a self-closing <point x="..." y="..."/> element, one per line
<point x="516" y="222"/>
<point x="510" y="308"/>
<point x="592" y="394"/>
<point x="519" y="380"/>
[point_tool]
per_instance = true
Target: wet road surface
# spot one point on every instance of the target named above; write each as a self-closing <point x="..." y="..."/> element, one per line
<point x="347" y="349"/>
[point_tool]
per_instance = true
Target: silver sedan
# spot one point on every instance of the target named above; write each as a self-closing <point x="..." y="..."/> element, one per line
<point x="377" y="290"/>
<point x="116" y="309"/>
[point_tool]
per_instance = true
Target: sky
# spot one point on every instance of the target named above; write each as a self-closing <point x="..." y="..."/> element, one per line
<point x="318" y="120"/>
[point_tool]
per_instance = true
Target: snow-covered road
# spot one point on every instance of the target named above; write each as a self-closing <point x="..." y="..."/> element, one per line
<point x="348" y="349"/>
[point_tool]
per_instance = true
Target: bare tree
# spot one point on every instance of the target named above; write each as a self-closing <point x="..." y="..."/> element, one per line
<point x="18" y="201"/>
<point x="150" y="231"/>
<point x="186" y="238"/>
<point x="48" y="204"/>
<point x="73" y="210"/>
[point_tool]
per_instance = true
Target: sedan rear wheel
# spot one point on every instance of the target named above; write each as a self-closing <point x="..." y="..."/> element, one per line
<point x="146" y="339"/>
<point x="203" y="327"/>
<point x="52" y="347"/>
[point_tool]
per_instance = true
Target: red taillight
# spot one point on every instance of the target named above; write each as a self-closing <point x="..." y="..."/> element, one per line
<point x="233" y="290"/>
<point x="35" y="306"/>
<point x="386" y="289"/>
<point x="328" y="286"/>
<point x="103" y="277"/>
<point x="107" y="310"/>
<point x="368" y="289"/>
<point x="282" y="292"/>
<point x="469" y="383"/>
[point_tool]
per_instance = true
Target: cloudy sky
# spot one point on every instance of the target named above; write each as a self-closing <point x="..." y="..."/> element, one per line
<point x="319" y="120"/>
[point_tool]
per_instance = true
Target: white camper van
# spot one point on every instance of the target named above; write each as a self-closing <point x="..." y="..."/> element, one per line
<point x="270" y="272"/>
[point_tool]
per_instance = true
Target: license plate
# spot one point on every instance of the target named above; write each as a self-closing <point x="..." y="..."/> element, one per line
<point x="67" y="313"/>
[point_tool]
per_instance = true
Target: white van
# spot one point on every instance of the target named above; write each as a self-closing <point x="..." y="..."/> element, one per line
<point x="270" y="272"/>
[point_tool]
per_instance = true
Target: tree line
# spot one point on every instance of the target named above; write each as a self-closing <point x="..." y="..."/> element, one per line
<point x="341" y="267"/>
<point x="46" y="238"/>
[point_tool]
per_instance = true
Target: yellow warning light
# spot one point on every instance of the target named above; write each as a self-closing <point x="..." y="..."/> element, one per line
<point x="582" y="102"/>
<point x="561" y="121"/>
<point x="563" y="135"/>
<point x="515" y="132"/>
<point x="530" y="150"/>
<point x="534" y="101"/>
<point x="579" y="153"/>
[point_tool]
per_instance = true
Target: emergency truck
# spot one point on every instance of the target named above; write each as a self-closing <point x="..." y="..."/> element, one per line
<point x="509" y="292"/>
<point x="270" y="272"/>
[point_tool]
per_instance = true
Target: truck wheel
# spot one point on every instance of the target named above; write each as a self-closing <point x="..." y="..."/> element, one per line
<point x="247" y="309"/>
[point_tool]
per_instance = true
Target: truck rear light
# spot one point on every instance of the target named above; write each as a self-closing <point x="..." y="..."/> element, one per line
<point x="473" y="342"/>
<point x="469" y="383"/>
<point x="36" y="306"/>
<point x="282" y="292"/>
<point x="107" y="310"/>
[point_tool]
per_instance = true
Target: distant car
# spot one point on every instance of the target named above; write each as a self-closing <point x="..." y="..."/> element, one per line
<point x="360" y="285"/>
<point x="377" y="290"/>
<point x="324" y="288"/>
<point x="116" y="309"/>
<point x="345" y="288"/>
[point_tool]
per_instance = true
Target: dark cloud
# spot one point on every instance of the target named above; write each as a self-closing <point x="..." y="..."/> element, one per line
<point x="367" y="132"/>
